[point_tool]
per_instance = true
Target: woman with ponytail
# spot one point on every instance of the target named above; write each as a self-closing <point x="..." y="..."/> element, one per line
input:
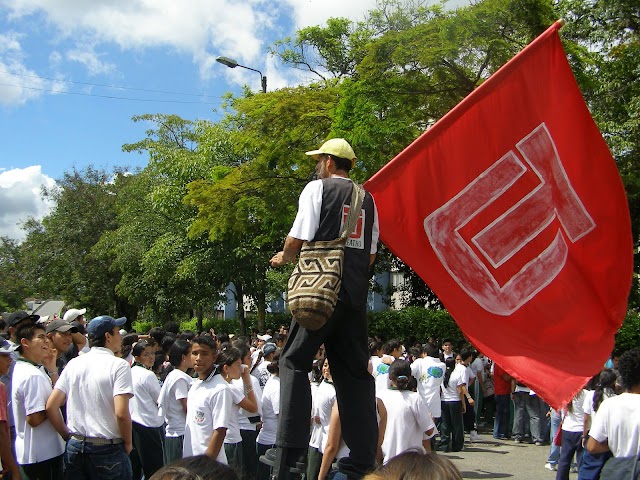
<point x="592" y="463"/>
<point x="242" y="396"/>
<point x="173" y="399"/>
<point x="409" y="424"/>
<point x="453" y="406"/>
<point x="145" y="417"/>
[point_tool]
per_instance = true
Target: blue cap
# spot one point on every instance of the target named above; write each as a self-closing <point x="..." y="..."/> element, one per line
<point x="103" y="324"/>
<point x="6" y="347"/>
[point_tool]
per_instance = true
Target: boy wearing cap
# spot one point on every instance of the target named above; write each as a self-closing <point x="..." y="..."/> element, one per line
<point x="39" y="448"/>
<point x="96" y="388"/>
<point x="60" y="334"/>
<point x="323" y="207"/>
<point x="6" y="454"/>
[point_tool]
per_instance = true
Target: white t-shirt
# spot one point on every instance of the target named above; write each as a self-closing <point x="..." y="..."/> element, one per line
<point x="243" y="415"/>
<point x="429" y="374"/>
<point x="90" y="383"/>
<point x="233" y="431"/>
<point x="325" y="398"/>
<point x="144" y="404"/>
<point x="307" y="220"/>
<point x="375" y="361"/>
<point x="30" y="390"/>
<point x="458" y="377"/>
<point x="573" y="421"/>
<point x="175" y="388"/>
<point x="381" y="373"/>
<point x="316" y="429"/>
<point x="618" y="421"/>
<point x="408" y="418"/>
<point x="209" y="407"/>
<point x="261" y="373"/>
<point x="270" y="411"/>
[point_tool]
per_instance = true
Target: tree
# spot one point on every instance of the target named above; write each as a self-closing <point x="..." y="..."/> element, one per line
<point x="13" y="289"/>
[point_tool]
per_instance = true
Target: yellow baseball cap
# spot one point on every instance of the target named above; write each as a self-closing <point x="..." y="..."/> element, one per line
<point x="337" y="147"/>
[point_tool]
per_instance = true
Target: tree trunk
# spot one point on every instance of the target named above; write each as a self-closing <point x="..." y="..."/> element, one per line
<point x="262" y="309"/>
<point x="240" y="310"/>
<point x="200" y="315"/>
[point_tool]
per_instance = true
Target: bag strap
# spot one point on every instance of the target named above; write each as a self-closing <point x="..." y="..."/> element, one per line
<point x="357" y="198"/>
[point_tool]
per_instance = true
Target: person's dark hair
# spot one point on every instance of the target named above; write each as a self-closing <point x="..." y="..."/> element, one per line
<point x="431" y="350"/>
<point x="242" y="339"/>
<point x="274" y="367"/>
<point x="605" y="386"/>
<point x="172" y="327"/>
<point x="414" y="465"/>
<point x="341" y="163"/>
<point x="199" y="467"/>
<point x="205" y="339"/>
<point x="629" y="368"/>
<point x="465" y="353"/>
<point x="242" y="346"/>
<point x="228" y="356"/>
<point x="223" y="338"/>
<point x="450" y="363"/>
<point x="391" y="345"/>
<point x="157" y="333"/>
<point x="139" y="348"/>
<point x="279" y="337"/>
<point x="186" y="335"/>
<point x="127" y="344"/>
<point x="415" y="352"/>
<point x="400" y="373"/>
<point x="374" y="346"/>
<point x="167" y="341"/>
<point x="28" y="332"/>
<point x="316" y="370"/>
<point x="177" y="351"/>
<point x="158" y="367"/>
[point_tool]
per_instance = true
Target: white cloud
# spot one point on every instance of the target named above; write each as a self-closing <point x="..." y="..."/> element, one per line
<point x="87" y="56"/>
<point x="314" y="12"/>
<point x="18" y="84"/>
<point x="20" y="198"/>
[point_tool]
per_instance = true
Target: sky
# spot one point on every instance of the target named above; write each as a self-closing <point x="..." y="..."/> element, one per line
<point x="73" y="73"/>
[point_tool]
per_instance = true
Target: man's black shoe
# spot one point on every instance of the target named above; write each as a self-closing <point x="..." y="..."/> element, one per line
<point x="354" y="471"/>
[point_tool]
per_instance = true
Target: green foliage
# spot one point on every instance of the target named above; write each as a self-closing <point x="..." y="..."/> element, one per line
<point x="13" y="289"/>
<point x="628" y="336"/>
<point x="414" y="322"/>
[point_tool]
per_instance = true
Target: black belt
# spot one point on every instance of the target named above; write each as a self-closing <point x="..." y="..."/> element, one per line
<point x="98" y="440"/>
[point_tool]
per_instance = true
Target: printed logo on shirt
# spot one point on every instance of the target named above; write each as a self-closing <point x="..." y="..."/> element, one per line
<point x="356" y="239"/>
<point x="383" y="369"/>
<point x="199" y="417"/>
<point x="435" y="372"/>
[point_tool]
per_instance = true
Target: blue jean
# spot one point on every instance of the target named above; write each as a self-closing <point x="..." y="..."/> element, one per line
<point x="554" y="450"/>
<point x="500" y="424"/>
<point x="592" y="464"/>
<point x="571" y="444"/>
<point x="85" y="461"/>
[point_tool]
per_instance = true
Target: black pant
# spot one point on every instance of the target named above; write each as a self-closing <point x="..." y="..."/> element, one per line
<point x="46" y="470"/>
<point x="345" y="340"/>
<point x="452" y="428"/>
<point x="149" y="444"/>
<point x="249" y="454"/>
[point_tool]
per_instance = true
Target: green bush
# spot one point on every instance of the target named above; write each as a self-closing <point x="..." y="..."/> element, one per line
<point x="417" y="322"/>
<point x="628" y="336"/>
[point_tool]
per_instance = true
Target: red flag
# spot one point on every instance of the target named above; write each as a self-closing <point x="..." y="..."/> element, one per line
<point x="512" y="210"/>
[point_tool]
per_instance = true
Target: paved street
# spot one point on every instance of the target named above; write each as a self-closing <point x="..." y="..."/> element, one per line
<point x="492" y="458"/>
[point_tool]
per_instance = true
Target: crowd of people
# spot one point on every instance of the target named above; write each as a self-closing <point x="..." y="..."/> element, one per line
<point x="90" y="400"/>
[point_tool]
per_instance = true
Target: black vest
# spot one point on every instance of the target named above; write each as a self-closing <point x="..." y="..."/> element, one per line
<point x="336" y="197"/>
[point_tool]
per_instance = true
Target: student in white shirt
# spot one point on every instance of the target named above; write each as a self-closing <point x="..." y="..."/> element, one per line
<point x="173" y="399"/>
<point x="616" y="426"/>
<point x="392" y="351"/>
<point x="572" y="425"/>
<point x="242" y="396"/>
<point x="323" y="401"/>
<point x="453" y="406"/>
<point x="39" y="447"/>
<point x="409" y="424"/>
<point x="270" y="411"/>
<point x="209" y="403"/>
<point x="248" y="422"/>
<point x="146" y="419"/>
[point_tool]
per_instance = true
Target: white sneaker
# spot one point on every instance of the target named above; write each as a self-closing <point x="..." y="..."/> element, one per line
<point x="474" y="437"/>
<point x="551" y="466"/>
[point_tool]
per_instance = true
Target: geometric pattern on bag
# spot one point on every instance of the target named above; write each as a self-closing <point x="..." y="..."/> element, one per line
<point x="315" y="283"/>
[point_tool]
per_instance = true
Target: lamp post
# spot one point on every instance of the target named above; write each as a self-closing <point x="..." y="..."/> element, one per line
<point x="231" y="63"/>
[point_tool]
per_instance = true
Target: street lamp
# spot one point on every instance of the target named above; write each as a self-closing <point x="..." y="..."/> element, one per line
<point x="231" y="63"/>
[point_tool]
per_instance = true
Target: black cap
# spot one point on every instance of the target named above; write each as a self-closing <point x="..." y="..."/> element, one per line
<point x="17" y="317"/>
<point x="59" y="325"/>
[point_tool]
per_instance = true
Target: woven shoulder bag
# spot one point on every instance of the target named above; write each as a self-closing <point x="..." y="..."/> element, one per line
<point x="315" y="282"/>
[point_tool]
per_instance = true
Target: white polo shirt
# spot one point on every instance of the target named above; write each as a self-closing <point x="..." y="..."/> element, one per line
<point x="209" y="407"/>
<point x="270" y="411"/>
<point x="144" y="404"/>
<point x="237" y="395"/>
<point x="176" y="387"/>
<point x="30" y="390"/>
<point x="90" y="382"/>
<point x="618" y="421"/>
<point x="429" y="374"/>
<point x="458" y="377"/>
